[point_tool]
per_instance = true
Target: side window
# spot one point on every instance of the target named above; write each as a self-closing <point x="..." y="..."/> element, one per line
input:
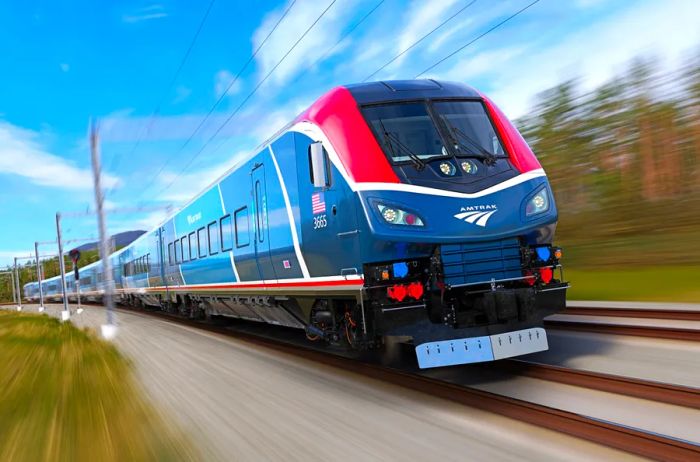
<point x="171" y="258"/>
<point x="319" y="166"/>
<point x="242" y="227"/>
<point x="178" y="252"/>
<point x="193" y="245"/>
<point x="258" y="211"/>
<point x="185" y="248"/>
<point x="225" y="229"/>
<point x="213" y="232"/>
<point x="202" y="242"/>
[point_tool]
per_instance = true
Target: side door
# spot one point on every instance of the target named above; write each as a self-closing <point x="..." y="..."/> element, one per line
<point x="331" y="235"/>
<point x="262" y="236"/>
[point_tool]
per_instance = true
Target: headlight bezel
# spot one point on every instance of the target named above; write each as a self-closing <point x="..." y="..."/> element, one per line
<point x="541" y="195"/>
<point x="403" y="215"/>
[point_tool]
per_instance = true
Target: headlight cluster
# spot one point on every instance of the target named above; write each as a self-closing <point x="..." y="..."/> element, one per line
<point x="447" y="168"/>
<point x="538" y="204"/>
<point x="396" y="216"/>
<point x="469" y="167"/>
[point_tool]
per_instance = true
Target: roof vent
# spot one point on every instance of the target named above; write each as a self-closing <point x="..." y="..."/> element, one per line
<point x="412" y="85"/>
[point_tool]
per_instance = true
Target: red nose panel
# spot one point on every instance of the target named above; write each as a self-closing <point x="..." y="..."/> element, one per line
<point x="337" y="114"/>
<point x="520" y="153"/>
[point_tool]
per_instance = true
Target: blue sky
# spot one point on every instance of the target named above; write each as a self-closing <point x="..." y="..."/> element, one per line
<point x="62" y="64"/>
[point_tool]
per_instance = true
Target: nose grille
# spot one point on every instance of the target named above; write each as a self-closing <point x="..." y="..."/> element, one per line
<point x="481" y="261"/>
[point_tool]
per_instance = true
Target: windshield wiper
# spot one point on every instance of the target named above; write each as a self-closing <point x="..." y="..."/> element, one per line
<point x="455" y="132"/>
<point x="389" y="140"/>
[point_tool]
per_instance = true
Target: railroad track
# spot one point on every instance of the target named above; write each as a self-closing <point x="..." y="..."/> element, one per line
<point x="645" y="389"/>
<point x="620" y="437"/>
<point x="678" y="315"/>
<point x="672" y="333"/>
<point x="628" y="439"/>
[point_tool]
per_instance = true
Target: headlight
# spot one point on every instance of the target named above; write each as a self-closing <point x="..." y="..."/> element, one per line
<point x="538" y="204"/>
<point x="447" y="168"/>
<point x="469" y="167"/>
<point x="396" y="216"/>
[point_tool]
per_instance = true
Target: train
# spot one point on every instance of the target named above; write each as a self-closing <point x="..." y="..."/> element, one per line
<point x="409" y="209"/>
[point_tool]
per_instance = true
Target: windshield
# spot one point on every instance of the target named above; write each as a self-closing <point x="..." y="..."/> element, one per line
<point x="405" y="131"/>
<point x="469" y="126"/>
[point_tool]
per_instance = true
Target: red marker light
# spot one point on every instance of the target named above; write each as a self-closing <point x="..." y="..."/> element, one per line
<point x="546" y="275"/>
<point x="415" y="290"/>
<point x="409" y="219"/>
<point x="397" y="292"/>
<point x="529" y="277"/>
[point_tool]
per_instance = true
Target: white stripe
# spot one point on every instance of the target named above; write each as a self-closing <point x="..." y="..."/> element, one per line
<point x="316" y="134"/>
<point x="223" y="209"/>
<point x="463" y="215"/>
<point x="473" y="218"/>
<point x="292" y="224"/>
<point x="482" y="221"/>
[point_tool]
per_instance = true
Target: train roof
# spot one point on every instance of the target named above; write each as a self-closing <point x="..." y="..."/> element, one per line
<point x="397" y="90"/>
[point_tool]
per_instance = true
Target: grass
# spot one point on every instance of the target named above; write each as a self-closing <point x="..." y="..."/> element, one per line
<point x="67" y="396"/>
<point x="659" y="284"/>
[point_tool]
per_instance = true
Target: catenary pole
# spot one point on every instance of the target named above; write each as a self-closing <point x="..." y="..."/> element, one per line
<point x="39" y="276"/>
<point x="62" y="266"/>
<point x="14" y="290"/>
<point x="19" y="293"/>
<point x="108" y="330"/>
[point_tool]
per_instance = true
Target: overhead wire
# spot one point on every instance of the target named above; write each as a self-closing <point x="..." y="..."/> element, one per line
<point x="247" y="98"/>
<point x="340" y="40"/>
<point x="477" y="38"/>
<point x="116" y="161"/>
<point x="218" y="101"/>
<point x="406" y="50"/>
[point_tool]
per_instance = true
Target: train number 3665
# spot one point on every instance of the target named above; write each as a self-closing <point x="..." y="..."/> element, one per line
<point x="320" y="222"/>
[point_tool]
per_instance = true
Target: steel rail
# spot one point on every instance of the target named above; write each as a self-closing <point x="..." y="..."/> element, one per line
<point x="620" y="437"/>
<point x="680" y="315"/>
<point x="671" y="333"/>
<point x="639" y="388"/>
<point x="631" y="440"/>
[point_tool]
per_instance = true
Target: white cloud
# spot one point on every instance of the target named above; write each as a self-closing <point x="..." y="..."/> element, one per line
<point x="65" y="67"/>
<point x="188" y="185"/>
<point x="222" y="80"/>
<point x="448" y="33"/>
<point x="23" y="155"/>
<point x="598" y="52"/>
<point x="142" y="221"/>
<point x="420" y="18"/>
<point x="323" y="35"/>
<point x="7" y="257"/>
<point x="482" y="63"/>
<point x="154" y="11"/>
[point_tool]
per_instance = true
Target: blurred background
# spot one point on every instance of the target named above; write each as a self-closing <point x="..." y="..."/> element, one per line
<point x="624" y="162"/>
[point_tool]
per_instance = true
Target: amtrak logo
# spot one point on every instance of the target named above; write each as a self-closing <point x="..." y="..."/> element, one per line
<point x="477" y="214"/>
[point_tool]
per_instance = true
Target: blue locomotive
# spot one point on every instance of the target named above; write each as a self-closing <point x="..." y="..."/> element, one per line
<point x="397" y="208"/>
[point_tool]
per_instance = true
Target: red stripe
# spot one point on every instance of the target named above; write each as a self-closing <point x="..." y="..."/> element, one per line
<point x="341" y="283"/>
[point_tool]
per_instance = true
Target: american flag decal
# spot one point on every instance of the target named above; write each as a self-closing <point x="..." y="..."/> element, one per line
<point x="318" y="204"/>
